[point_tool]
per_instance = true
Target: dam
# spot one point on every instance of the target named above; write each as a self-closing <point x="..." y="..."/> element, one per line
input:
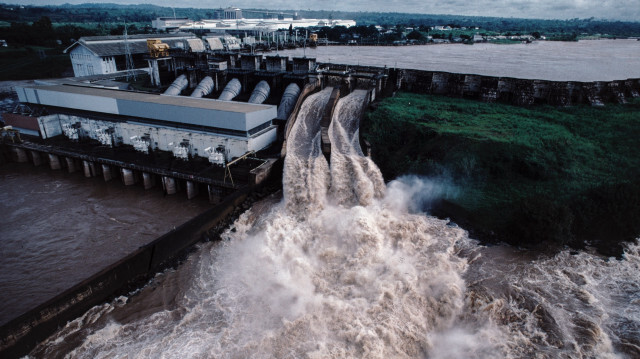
<point x="341" y="267"/>
<point x="223" y="147"/>
<point x="309" y="134"/>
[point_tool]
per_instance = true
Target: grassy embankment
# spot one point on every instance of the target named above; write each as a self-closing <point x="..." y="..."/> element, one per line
<point x="534" y="176"/>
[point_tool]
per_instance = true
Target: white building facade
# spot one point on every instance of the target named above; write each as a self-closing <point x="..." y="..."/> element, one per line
<point x="100" y="55"/>
<point x="87" y="63"/>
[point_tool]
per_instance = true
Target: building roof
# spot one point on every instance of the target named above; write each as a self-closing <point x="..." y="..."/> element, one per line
<point x="230" y="115"/>
<point x="115" y="45"/>
<point x="263" y="24"/>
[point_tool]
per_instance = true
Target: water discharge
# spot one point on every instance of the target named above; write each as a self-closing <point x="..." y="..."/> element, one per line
<point x="342" y="268"/>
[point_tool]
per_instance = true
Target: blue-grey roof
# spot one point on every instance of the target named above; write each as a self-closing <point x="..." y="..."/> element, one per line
<point x="115" y="45"/>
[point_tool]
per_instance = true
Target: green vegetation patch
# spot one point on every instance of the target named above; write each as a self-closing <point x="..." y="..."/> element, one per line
<point x="526" y="175"/>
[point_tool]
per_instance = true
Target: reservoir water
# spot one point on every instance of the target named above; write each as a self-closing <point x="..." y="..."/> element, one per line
<point x="587" y="60"/>
<point x="57" y="229"/>
<point x="344" y="266"/>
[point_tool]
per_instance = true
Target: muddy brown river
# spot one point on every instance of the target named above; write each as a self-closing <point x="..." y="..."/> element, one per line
<point x="57" y="229"/>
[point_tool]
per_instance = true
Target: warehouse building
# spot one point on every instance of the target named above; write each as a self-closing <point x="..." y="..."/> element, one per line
<point x="186" y="126"/>
<point x="99" y="55"/>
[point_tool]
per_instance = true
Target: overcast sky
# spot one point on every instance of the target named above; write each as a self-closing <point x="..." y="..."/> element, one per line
<point x="546" y="9"/>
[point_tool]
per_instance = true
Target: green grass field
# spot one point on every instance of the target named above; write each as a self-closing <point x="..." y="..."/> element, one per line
<point x="554" y="167"/>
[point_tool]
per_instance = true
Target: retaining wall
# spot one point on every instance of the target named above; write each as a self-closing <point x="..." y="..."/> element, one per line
<point x="521" y="92"/>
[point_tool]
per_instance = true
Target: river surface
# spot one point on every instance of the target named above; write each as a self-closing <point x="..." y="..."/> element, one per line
<point x="57" y="229"/>
<point x="586" y="60"/>
<point x="346" y="266"/>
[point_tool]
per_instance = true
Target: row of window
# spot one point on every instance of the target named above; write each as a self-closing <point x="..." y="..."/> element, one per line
<point x="81" y="57"/>
<point x="78" y="69"/>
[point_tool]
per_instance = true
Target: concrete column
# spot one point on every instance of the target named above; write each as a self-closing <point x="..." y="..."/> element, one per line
<point x="35" y="156"/>
<point x="106" y="173"/>
<point x="95" y="169"/>
<point x="154" y="72"/>
<point x="149" y="180"/>
<point x="20" y="155"/>
<point x="54" y="162"/>
<point x="192" y="189"/>
<point x="87" y="169"/>
<point x="71" y="165"/>
<point x="128" y="177"/>
<point x="169" y="185"/>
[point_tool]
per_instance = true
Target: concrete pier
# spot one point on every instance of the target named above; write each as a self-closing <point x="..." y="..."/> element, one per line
<point x="174" y="177"/>
<point x="36" y="158"/>
<point x="20" y="155"/>
<point x="192" y="189"/>
<point x="87" y="169"/>
<point x="106" y="173"/>
<point x="169" y="185"/>
<point x="71" y="165"/>
<point x="54" y="162"/>
<point x="128" y="177"/>
<point x="148" y="180"/>
<point x="95" y="169"/>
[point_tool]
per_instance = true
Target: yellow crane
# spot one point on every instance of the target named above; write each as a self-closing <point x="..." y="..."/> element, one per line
<point x="157" y="48"/>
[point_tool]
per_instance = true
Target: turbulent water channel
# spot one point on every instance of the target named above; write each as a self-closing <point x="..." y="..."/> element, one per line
<point x="345" y="266"/>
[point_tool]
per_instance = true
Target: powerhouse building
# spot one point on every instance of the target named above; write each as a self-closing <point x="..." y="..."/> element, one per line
<point x="186" y="126"/>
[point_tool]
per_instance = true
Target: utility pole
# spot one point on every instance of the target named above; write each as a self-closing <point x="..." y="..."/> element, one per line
<point x="128" y="57"/>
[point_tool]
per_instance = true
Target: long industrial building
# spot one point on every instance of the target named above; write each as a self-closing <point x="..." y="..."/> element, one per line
<point x="186" y="126"/>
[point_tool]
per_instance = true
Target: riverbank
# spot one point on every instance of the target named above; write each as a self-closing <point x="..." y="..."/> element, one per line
<point x="534" y="177"/>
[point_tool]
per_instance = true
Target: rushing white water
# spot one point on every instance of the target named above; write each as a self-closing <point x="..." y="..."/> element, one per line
<point x="341" y="268"/>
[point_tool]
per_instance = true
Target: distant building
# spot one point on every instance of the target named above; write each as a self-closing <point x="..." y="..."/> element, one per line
<point x="97" y="55"/>
<point x="169" y="23"/>
<point x="230" y="13"/>
<point x="230" y="21"/>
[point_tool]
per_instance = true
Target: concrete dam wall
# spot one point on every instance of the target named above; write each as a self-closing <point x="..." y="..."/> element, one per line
<point x="522" y="92"/>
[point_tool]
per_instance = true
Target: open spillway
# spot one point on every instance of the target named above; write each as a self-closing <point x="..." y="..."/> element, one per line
<point x="342" y="268"/>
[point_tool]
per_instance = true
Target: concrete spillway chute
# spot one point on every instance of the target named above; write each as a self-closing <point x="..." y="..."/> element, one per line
<point x="311" y="87"/>
<point x="288" y="101"/>
<point x="231" y="90"/>
<point x="260" y="93"/>
<point x="204" y="87"/>
<point x="177" y="86"/>
<point x="196" y="45"/>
